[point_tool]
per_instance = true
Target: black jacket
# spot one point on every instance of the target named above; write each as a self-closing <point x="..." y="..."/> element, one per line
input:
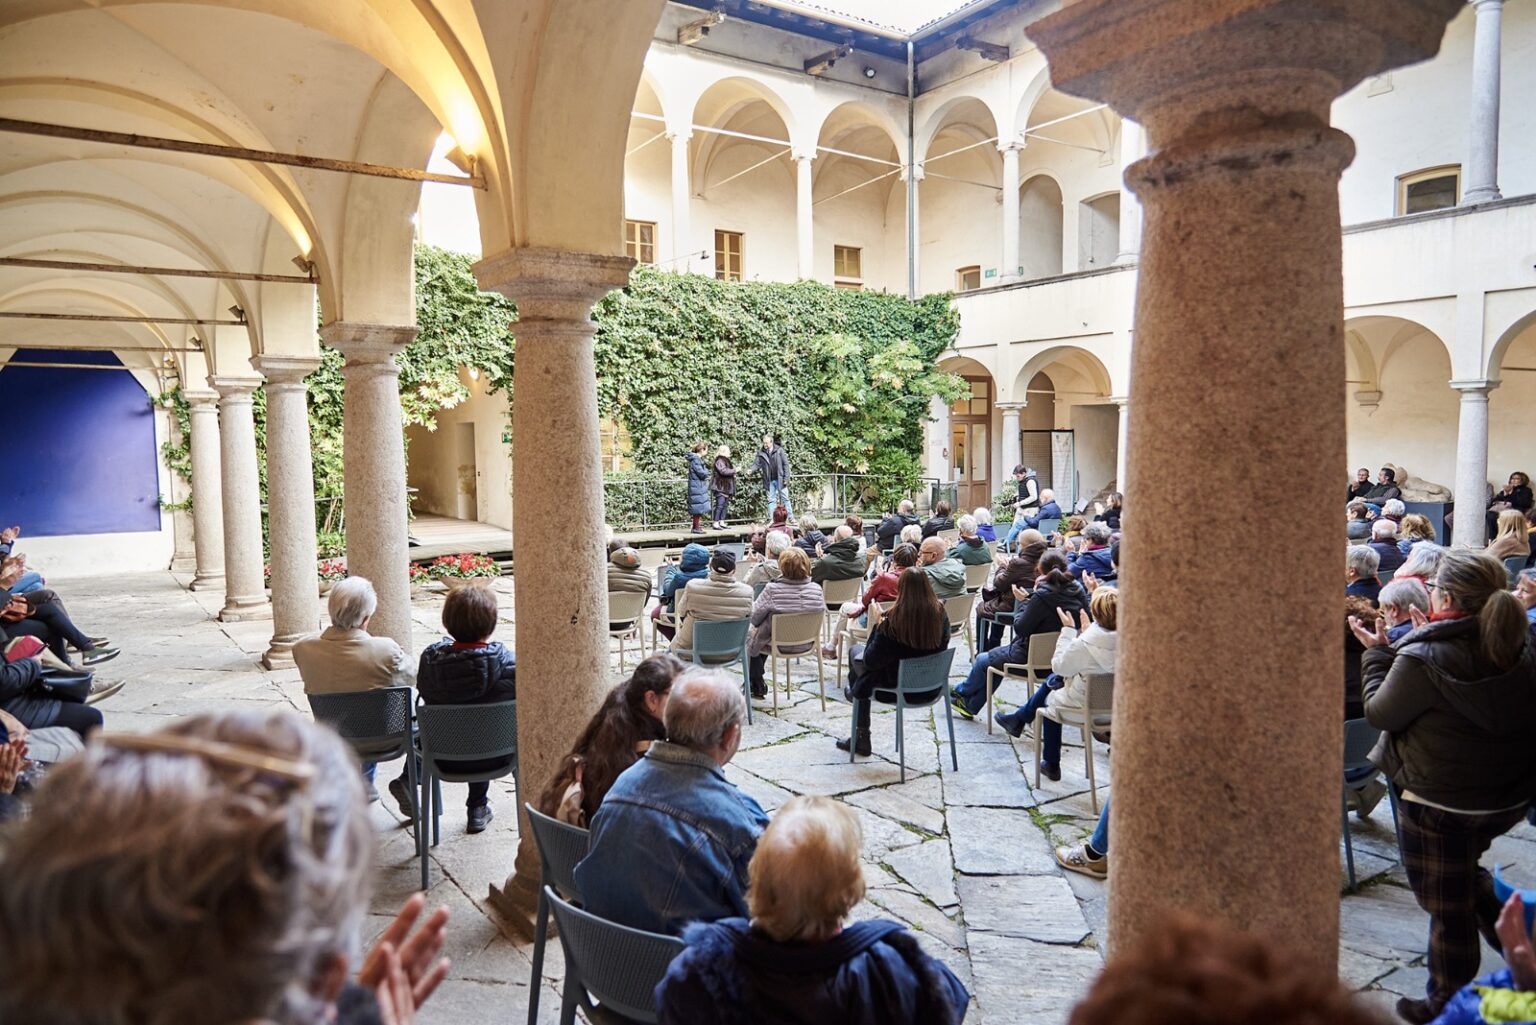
<point x="18" y="678"/>
<point x="452" y="675"/>
<point x="1456" y="730"/>
<point x="807" y="543"/>
<point x="882" y="660"/>
<point x="1520" y="498"/>
<point x="772" y="466"/>
<point x="1110" y="517"/>
<point x="1359" y="489"/>
<point x="723" y="480"/>
<point x="936" y="524"/>
<point x="1038" y="615"/>
<point x="890" y="529"/>
<point x="841" y="561"/>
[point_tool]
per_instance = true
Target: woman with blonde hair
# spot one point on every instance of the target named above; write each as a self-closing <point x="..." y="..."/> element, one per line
<point x="1414" y="529"/>
<point x="215" y="871"/>
<point x="797" y="961"/>
<point x="1513" y="538"/>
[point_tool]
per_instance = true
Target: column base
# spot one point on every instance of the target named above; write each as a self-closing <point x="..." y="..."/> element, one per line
<point x="1481" y="195"/>
<point x="245" y="612"/>
<point x="516" y="903"/>
<point x="207" y="582"/>
<point x="279" y="654"/>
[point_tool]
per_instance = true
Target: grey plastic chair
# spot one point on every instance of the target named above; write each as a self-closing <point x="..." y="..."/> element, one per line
<point x="561" y="846"/>
<point x="717" y="639"/>
<point x="1512" y="567"/>
<point x="460" y="733"/>
<point x="736" y="548"/>
<point x="1359" y="737"/>
<point x="1098" y="715"/>
<point x="377" y="723"/>
<point x="1049" y="527"/>
<point x="615" y="965"/>
<point x="914" y="676"/>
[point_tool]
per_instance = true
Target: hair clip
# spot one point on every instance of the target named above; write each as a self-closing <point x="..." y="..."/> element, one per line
<point x="213" y="751"/>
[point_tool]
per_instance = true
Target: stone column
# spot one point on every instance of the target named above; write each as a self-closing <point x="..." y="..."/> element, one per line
<point x="1471" y="527"/>
<point x="1010" y="265"/>
<point x="290" y="505"/>
<point x="1133" y="146"/>
<point x="805" y="217"/>
<point x="373" y="468"/>
<point x="1122" y="442"/>
<point x="682" y="199"/>
<point x="245" y="594"/>
<point x="1237" y="363"/>
<point x="938" y="440"/>
<point x="914" y="175"/>
<point x="1482" y="182"/>
<point x="207" y="490"/>
<point x="1010" y="439"/>
<point x="557" y="504"/>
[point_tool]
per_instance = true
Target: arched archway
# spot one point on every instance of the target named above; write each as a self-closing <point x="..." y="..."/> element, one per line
<point x="1069" y="430"/>
<point x="1512" y="405"/>
<point x="1042" y="225"/>
<point x="857" y="180"/>
<point x="961" y="182"/>
<point x="1399" y="398"/>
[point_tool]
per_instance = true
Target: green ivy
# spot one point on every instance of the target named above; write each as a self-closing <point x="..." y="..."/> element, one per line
<point x="177" y="450"/>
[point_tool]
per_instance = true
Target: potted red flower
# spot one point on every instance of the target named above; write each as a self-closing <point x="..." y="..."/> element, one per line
<point x="465" y="570"/>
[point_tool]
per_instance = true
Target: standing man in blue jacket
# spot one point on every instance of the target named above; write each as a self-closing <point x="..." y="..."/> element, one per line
<point x="773" y="466"/>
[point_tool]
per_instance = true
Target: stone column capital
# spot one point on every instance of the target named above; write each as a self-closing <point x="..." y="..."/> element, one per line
<point x="1011" y="146"/>
<point x="1483" y="5"/>
<point x="912" y="172"/>
<point x="801" y="155"/>
<point x="201" y="401"/>
<point x="234" y="389"/>
<point x="281" y="371"/>
<point x="1120" y="400"/>
<point x="1474" y="389"/>
<point x="1006" y="408"/>
<point x="367" y="343"/>
<point x="552" y="284"/>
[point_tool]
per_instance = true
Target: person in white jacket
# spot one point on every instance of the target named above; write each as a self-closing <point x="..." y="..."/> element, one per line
<point x="1082" y="648"/>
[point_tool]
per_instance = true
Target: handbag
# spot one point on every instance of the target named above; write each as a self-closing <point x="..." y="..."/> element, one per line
<point x="15" y="610"/>
<point x="66" y="684"/>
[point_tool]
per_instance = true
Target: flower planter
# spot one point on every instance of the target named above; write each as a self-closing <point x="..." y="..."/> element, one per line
<point x="454" y="583"/>
<point x="325" y="586"/>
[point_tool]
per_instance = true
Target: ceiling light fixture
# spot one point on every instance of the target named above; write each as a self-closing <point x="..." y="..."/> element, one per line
<point x="869" y="72"/>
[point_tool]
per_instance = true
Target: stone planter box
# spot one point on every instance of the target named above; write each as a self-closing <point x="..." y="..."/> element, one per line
<point x="454" y="583"/>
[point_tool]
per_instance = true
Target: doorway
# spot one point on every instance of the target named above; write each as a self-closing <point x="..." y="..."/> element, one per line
<point x="467" y="493"/>
<point x="970" y="445"/>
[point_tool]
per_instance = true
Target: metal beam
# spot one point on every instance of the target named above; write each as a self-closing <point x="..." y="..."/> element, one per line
<point x="259" y="156"/>
<point x="97" y="346"/>
<point x="108" y="319"/>
<point x="166" y="272"/>
<point x="70" y="366"/>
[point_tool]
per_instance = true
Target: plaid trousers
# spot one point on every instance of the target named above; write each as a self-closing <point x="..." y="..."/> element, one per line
<point x="1441" y="850"/>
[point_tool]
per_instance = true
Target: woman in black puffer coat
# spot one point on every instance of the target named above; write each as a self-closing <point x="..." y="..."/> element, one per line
<point x="465" y="668"/>
<point x="698" y="486"/>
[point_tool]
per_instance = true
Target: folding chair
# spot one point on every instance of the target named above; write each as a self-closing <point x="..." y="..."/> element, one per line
<point x="460" y="733"/>
<point x="561" y="846"/>
<point x="917" y="676"/>
<point x="795" y="630"/>
<point x="1042" y="647"/>
<point x="614" y="965"/>
<point x="837" y="593"/>
<point x="626" y="610"/>
<point x="976" y="576"/>
<point x="1101" y="700"/>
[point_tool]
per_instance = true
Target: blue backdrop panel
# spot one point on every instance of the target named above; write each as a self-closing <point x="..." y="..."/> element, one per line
<point x="78" y="448"/>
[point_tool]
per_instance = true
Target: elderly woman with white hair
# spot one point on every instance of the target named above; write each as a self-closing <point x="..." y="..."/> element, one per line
<point x="227" y="862"/>
<point x="766" y="567"/>
<point x="797" y="960"/>
<point x="1421" y="563"/>
<point x="984" y="528"/>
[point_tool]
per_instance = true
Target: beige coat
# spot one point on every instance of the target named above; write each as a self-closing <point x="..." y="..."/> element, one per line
<point x="338" y="661"/>
<point x="717" y="597"/>
<point x="620" y="580"/>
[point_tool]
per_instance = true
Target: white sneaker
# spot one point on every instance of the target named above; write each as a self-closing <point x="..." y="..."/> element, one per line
<point x="103" y="689"/>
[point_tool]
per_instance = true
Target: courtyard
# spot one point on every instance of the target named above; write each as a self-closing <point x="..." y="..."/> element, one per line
<point x="964" y="858"/>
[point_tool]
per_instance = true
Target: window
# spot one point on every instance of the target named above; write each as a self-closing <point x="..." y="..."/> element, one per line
<point x="1430" y="189"/>
<point x="728" y="259"/>
<point x="967" y="279"/>
<point x="640" y="241"/>
<point x="848" y="267"/>
<point x="980" y="401"/>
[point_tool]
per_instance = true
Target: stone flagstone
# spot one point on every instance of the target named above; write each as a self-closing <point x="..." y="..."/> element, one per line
<point x="928" y="869"/>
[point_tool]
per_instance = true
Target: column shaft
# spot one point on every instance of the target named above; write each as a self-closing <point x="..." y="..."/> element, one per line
<point x="1011" y="451"/>
<point x="373" y="468"/>
<point x="290" y="506"/>
<point x="1133" y="146"/>
<point x="245" y="595"/>
<point x="1482" y="182"/>
<point x="1471" y="527"/>
<point x="207" y="490"/>
<point x="557" y="506"/>
<point x="682" y="195"/>
<point x="805" y="219"/>
<point x="1010" y="226"/>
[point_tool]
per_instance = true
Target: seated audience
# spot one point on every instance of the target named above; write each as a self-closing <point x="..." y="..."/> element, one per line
<point x="1196" y="971"/>
<point x="881" y="589"/>
<point x="1017" y="570"/>
<point x="1085" y="646"/>
<point x="694" y="565"/>
<point x="911" y="534"/>
<point x="1414" y="529"/>
<point x="1358" y="521"/>
<point x="1360" y="565"/>
<point x="940" y="520"/>
<point x="1512" y="539"/>
<point x="1361" y="485"/>
<point x="970" y="550"/>
<point x="1095" y="556"/>
<point x="465" y="668"/>
<point x="672" y="838"/>
<point x="794" y="591"/>
<point x="1456" y="703"/>
<point x="890" y="528"/>
<point x="625" y="574"/>
<point x="839" y="560"/>
<point x="1397" y="601"/>
<point x="40" y="614"/>
<point x="798" y="960"/>
<point x="916" y="625"/>
<point x="984" y="527"/>
<point x="810" y="536"/>
<point x="1393" y="509"/>
<point x="1110" y="511"/>
<point x="1516" y="496"/>
<point x="1036" y="611"/>
<point x="1384" y="489"/>
<point x="1508" y="994"/>
<point x="1073" y="527"/>
<point x="1384" y="543"/>
<point x="618" y="734"/>
<point x="715" y="598"/>
<point x="946" y="573"/>
<point x="38" y="699"/>
<point x="1422" y="563"/>
<point x="1354" y="609"/>
<point x="229" y="860"/>
<point x="1525" y="590"/>
<point x="1049" y="510"/>
<point x="766" y="568"/>
<point x="778" y="521"/>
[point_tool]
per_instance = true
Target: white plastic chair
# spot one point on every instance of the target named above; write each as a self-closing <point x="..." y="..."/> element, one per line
<point x="836" y="593"/>
<point x="959" y="609"/>
<point x="626" y="610"/>
<point x="976" y="576"/>
<point x="796" y="630"/>
<point x="1101" y="700"/>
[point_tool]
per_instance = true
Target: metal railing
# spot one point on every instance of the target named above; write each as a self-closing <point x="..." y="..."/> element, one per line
<point x="660" y="503"/>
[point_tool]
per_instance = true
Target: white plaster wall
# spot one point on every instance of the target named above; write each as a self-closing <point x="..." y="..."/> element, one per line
<point x="648" y="191"/>
<point x="433" y="459"/>
<point x="1415" y="425"/>
<point x="1095" y="432"/>
<point x="760" y="204"/>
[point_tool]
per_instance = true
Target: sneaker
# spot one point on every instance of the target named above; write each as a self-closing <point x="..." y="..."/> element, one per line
<point x="1080" y="859"/>
<point x="1419" y="1012"/>
<point x="103" y="689"/>
<point x="1368" y="797"/>
<point x="400" y="790"/>
<point x="1050" y="772"/>
<point x="1010" y="726"/>
<point x="962" y="709"/>
<point x="98" y="655"/>
<point x="480" y="816"/>
<point x="829" y="651"/>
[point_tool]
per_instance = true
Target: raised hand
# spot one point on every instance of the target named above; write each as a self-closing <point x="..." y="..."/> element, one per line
<point x="9" y="534"/>
<point x="1090" y="581"/>
<point x="1416" y="616"/>
<point x="413" y="953"/>
<point x="1375" y="637"/>
<point x="1067" y="621"/>
<point x="1516" y="941"/>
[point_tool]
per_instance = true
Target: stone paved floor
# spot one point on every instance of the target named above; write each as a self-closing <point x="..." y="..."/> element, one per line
<point x="963" y="857"/>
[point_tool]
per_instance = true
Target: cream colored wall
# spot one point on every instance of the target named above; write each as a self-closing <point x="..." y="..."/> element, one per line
<point x="433" y="466"/>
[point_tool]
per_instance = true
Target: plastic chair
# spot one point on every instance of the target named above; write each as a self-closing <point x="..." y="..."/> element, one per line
<point x="460" y="733"/>
<point x="719" y="642"/>
<point x="836" y="593"/>
<point x="914" y="676"/>
<point x="626" y="610"/>
<point x="1101" y="700"/>
<point x="976" y="576"/>
<point x="1042" y="647"/>
<point x="857" y="634"/>
<point x="561" y="846"/>
<point x="1385" y="578"/>
<point x="959" y="609"/>
<point x="377" y="724"/>
<point x="950" y="536"/>
<point x="617" y="966"/>
<point x="1512" y="567"/>
<point x="1359" y="738"/>
<point x="1049" y="526"/>
<point x="794" y="630"/>
<point x="667" y="619"/>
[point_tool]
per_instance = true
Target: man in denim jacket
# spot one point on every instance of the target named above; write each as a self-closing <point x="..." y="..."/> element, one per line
<point x="672" y="838"/>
